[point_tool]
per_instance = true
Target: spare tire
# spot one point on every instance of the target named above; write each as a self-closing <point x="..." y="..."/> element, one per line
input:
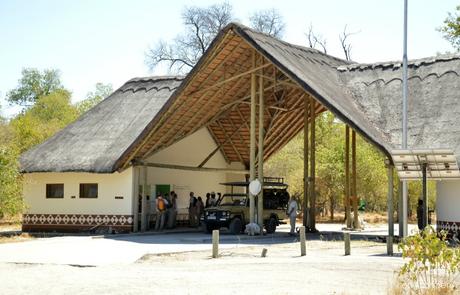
<point x="271" y="225"/>
<point x="235" y="226"/>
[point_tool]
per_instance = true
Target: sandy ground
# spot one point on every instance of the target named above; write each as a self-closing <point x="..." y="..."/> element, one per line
<point x="240" y="270"/>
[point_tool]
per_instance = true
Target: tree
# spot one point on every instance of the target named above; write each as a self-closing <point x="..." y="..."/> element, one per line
<point x="50" y="114"/>
<point x="268" y="21"/>
<point x="451" y="28"/>
<point x="202" y="24"/>
<point x="346" y="45"/>
<point x="33" y="85"/>
<point x="315" y="40"/>
<point x="10" y="179"/>
<point x="94" y="97"/>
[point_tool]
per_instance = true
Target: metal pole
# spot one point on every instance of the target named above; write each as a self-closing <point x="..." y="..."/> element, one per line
<point x="404" y="123"/>
<point x="390" y="209"/>
<point x="305" y="162"/>
<point x="424" y="195"/>
<point x="260" y="199"/>
<point x="312" y="214"/>
<point x="252" y="145"/>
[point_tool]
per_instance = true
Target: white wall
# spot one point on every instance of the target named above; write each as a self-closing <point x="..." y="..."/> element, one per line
<point x="191" y="151"/>
<point x="109" y="186"/>
<point x="448" y="200"/>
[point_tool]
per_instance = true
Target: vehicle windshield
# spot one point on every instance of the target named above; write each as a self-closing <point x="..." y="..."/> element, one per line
<point x="233" y="200"/>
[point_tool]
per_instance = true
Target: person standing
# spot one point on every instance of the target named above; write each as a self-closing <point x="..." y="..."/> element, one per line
<point x="172" y="211"/>
<point x="192" y="209"/>
<point x="292" y="214"/>
<point x="161" y="210"/>
<point x="208" y="200"/>
<point x="199" y="209"/>
<point x="213" y="199"/>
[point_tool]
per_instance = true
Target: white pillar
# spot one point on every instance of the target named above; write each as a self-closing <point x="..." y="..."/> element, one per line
<point x="135" y="198"/>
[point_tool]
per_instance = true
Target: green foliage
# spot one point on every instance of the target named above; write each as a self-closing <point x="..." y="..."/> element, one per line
<point x="33" y="85"/>
<point x="94" y="97"/>
<point x="431" y="265"/>
<point x="10" y="179"/>
<point x="451" y="28"/>
<point x="49" y="114"/>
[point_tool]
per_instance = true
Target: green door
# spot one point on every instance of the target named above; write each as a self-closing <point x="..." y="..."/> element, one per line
<point x="162" y="188"/>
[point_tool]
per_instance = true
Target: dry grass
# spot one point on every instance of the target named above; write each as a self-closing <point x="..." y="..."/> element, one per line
<point x="399" y="288"/>
<point x="16" y="238"/>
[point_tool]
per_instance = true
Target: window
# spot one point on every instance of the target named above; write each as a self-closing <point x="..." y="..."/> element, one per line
<point x="88" y="190"/>
<point x="54" y="190"/>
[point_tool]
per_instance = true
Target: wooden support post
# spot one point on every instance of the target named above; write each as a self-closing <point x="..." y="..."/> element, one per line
<point x="215" y="243"/>
<point x="346" y="239"/>
<point x="347" y="177"/>
<point x="303" y="248"/>
<point x="135" y="195"/>
<point x="312" y="213"/>
<point x="424" y="196"/>
<point x="144" y="199"/>
<point x="252" y="145"/>
<point x="260" y="198"/>
<point x="400" y="210"/>
<point x="305" y="161"/>
<point x="390" y="208"/>
<point x="354" y="193"/>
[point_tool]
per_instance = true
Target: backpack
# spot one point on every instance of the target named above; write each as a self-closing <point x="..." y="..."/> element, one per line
<point x="161" y="204"/>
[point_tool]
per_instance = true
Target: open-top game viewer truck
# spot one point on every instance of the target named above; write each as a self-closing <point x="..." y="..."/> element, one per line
<point x="232" y="209"/>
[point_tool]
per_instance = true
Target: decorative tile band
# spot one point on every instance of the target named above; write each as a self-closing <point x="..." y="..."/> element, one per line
<point x="449" y="226"/>
<point x="75" y="222"/>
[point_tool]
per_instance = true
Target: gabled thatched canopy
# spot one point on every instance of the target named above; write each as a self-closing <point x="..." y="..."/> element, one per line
<point x="216" y="95"/>
<point x="98" y="139"/>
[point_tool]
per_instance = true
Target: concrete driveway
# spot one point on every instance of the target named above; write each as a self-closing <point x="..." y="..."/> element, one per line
<point x="125" y="249"/>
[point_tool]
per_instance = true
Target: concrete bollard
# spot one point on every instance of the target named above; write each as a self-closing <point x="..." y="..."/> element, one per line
<point x="264" y="252"/>
<point x="389" y="245"/>
<point x="215" y="243"/>
<point x="346" y="239"/>
<point x="303" y="249"/>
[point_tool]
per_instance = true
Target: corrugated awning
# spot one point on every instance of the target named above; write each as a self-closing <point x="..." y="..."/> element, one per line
<point x="440" y="164"/>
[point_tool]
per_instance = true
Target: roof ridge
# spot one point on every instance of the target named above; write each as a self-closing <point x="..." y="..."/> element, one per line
<point x="156" y="78"/>
<point x="397" y="64"/>
<point x="297" y="46"/>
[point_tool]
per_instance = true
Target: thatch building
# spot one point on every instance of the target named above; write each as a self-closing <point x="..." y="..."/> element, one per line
<point x="190" y="134"/>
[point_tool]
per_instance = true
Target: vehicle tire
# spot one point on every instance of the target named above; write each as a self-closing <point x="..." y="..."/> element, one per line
<point x="235" y="226"/>
<point x="270" y="227"/>
<point x="208" y="228"/>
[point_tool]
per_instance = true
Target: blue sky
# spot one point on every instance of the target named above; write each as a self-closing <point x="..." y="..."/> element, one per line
<point x="105" y="41"/>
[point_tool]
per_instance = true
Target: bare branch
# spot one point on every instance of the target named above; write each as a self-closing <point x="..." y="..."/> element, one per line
<point x="346" y="46"/>
<point x="315" y="40"/>
<point x="268" y="21"/>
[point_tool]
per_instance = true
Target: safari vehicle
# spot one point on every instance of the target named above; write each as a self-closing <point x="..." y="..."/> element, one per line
<point x="232" y="209"/>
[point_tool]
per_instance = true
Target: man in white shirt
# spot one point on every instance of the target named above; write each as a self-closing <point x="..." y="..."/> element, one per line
<point x="292" y="214"/>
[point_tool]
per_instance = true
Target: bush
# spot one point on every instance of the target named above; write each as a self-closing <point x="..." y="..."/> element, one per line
<point x="432" y="267"/>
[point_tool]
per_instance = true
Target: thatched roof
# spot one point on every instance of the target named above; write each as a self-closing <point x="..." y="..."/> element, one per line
<point x="433" y="100"/>
<point x="98" y="138"/>
<point x="215" y="94"/>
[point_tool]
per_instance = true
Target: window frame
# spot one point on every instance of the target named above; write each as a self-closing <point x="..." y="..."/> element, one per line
<point x="48" y="190"/>
<point x="81" y="191"/>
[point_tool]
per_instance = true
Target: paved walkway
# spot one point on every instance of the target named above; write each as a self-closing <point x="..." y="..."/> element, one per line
<point x="125" y="249"/>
